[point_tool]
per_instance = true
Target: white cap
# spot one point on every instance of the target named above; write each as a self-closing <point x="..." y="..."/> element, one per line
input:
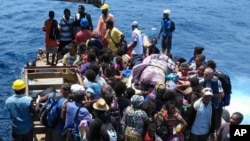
<point x="166" y="11"/>
<point x="76" y="87"/>
<point x="207" y="91"/>
<point x="134" y="23"/>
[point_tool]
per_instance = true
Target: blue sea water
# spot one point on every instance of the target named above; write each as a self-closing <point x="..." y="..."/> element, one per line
<point x="221" y="26"/>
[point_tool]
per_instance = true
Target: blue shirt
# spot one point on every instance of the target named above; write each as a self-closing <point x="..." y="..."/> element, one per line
<point x="20" y="113"/>
<point x="166" y="25"/>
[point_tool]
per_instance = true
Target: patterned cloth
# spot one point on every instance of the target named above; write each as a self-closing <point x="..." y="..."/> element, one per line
<point x="135" y="118"/>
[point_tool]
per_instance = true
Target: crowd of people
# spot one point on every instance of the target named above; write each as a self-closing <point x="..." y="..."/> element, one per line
<point x="178" y="99"/>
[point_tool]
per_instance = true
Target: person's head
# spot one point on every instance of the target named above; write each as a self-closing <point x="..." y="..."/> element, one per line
<point x="105" y="8"/>
<point x="170" y="106"/>
<point x="129" y="92"/>
<point x="199" y="58"/>
<point x="81" y="48"/>
<point x="72" y="48"/>
<point x="95" y="67"/>
<point x="51" y="14"/>
<point x="134" y="25"/>
<point x="236" y="118"/>
<point x="19" y="86"/>
<point x="154" y="41"/>
<point x="67" y="13"/>
<point x="152" y="130"/>
<point x="208" y="74"/>
<point x="198" y="50"/>
<point x="81" y="9"/>
<point x="211" y="64"/>
<point x="120" y="88"/>
<point x="200" y="70"/>
<point x="207" y="94"/>
<point x="91" y="57"/>
<point x="90" y="75"/>
<point x="84" y="23"/>
<point x="78" y="96"/>
<point x="107" y="93"/>
<point x="166" y="13"/>
<point x="109" y="24"/>
<point x="137" y="101"/>
<point x="100" y="107"/>
<point x="160" y="89"/>
<point x="184" y="68"/>
<point x="65" y="89"/>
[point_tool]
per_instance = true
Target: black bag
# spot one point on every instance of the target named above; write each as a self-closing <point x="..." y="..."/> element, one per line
<point x="161" y="130"/>
<point x="108" y="132"/>
<point x="54" y="31"/>
<point x="172" y="28"/>
<point x="226" y="86"/>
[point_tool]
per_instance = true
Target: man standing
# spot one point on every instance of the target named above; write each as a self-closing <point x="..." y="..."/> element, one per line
<point x="84" y="34"/>
<point x="101" y="25"/>
<point x="214" y="83"/>
<point x="167" y="28"/>
<point x="66" y="32"/>
<point x="137" y="45"/>
<point x="20" y="108"/>
<point x="82" y="14"/>
<point x="114" y="36"/>
<point x="52" y="34"/>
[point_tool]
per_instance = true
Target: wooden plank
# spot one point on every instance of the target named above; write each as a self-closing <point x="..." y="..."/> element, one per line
<point x="44" y="86"/>
<point x="44" y="75"/>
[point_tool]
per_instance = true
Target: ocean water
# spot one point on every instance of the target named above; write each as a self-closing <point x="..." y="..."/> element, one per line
<point x="221" y="26"/>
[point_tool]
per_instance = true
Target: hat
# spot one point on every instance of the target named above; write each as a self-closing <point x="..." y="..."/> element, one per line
<point x="134" y="23"/>
<point x="76" y="87"/>
<point x="90" y="90"/>
<point x="84" y="22"/>
<point x="101" y="105"/>
<point x="137" y="100"/>
<point x="18" y="84"/>
<point x="166" y="11"/>
<point x="207" y="91"/>
<point x="105" y="6"/>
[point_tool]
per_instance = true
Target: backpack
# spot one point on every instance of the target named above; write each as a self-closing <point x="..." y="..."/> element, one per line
<point x="54" y="31"/>
<point x="49" y="115"/>
<point x="107" y="132"/>
<point x="226" y="86"/>
<point x="172" y="28"/>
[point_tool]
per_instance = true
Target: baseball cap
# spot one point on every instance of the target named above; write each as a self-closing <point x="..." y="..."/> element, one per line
<point x="134" y="23"/>
<point x="207" y="91"/>
<point x="166" y="11"/>
<point x="105" y="6"/>
<point x="84" y="22"/>
<point x="18" y="84"/>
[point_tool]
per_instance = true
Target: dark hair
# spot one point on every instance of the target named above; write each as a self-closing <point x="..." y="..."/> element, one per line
<point x="110" y="22"/>
<point x="107" y="94"/>
<point x="120" y="87"/>
<point x="82" y="7"/>
<point x="240" y="115"/>
<point x="95" y="67"/>
<point x="211" y="64"/>
<point x="78" y="96"/>
<point x="51" y="14"/>
<point x="198" y="49"/>
<point x="130" y="92"/>
<point x="91" y="56"/>
<point x="194" y="81"/>
<point x="66" y="10"/>
<point x="169" y="103"/>
<point x="90" y="75"/>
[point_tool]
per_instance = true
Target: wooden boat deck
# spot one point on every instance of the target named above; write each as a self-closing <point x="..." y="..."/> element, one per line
<point x="41" y="77"/>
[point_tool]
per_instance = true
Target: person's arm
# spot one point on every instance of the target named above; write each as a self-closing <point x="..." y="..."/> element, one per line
<point x="160" y="33"/>
<point x="93" y="129"/>
<point x="64" y="110"/>
<point x="221" y="92"/>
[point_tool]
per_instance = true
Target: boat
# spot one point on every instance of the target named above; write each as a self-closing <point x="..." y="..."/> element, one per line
<point x="96" y="3"/>
<point x="41" y="77"/>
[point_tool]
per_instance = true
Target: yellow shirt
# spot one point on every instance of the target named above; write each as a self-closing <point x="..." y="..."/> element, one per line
<point x="115" y="34"/>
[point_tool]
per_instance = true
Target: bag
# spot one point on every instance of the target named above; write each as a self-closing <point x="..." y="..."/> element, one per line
<point x="48" y="114"/>
<point x="107" y="132"/>
<point x="188" y="113"/>
<point x="226" y="86"/>
<point x="161" y="130"/>
<point x="172" y="28"/>
<point x="54" y="31"/>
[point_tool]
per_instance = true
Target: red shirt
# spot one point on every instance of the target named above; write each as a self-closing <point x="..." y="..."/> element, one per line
<point x="82" y="36"/>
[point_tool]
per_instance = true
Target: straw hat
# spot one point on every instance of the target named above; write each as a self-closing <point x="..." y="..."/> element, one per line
<point x="101" y="105"/>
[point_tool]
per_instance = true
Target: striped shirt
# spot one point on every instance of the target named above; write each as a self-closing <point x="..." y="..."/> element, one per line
<point x="66" y="29"/>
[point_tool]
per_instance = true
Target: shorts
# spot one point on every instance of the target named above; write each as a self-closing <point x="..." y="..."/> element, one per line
<point x="51" y="49"/>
